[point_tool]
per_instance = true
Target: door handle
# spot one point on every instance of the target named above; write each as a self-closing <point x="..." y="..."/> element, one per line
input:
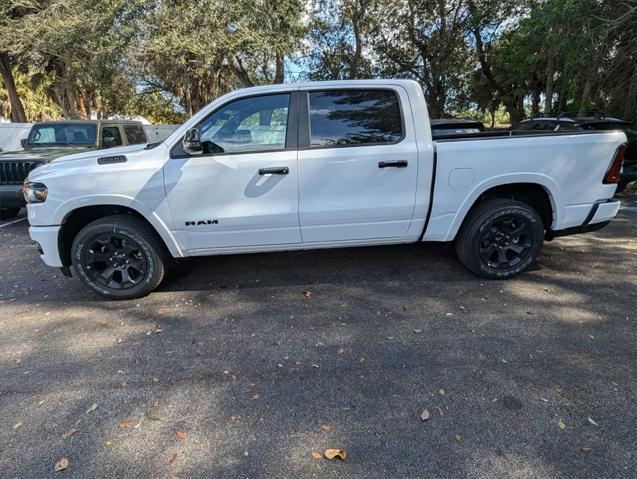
<point x="393" y="164"/>
<point x="274" y="170"/>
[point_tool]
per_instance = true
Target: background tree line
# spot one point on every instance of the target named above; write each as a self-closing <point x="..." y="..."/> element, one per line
<point x="497" y="59"/>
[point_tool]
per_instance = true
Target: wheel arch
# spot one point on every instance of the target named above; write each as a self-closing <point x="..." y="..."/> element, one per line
<point x="75" y="219"/>
<point x="538" y="191"/>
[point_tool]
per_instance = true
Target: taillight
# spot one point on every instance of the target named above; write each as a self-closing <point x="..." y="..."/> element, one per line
<point x="615" y="169"/>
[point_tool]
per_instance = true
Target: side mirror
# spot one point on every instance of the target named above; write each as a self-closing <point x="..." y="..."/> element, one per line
<point x="192" y="142"/>
<point x="23" y="142"/>
<point x="108" y="141"/>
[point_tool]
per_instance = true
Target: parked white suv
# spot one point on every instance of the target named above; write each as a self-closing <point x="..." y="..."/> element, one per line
<point x="317" y="165"/>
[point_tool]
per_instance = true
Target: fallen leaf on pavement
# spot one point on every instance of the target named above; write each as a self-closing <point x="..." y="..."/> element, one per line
<point x="69" y="432"/>
<point x="333" y="453"/>
<point x="316" y="455"/>
<point x="92" y="408"/>
<point x="255" y="397"/>
<point x="173" y="458"/>
<point x="592" y="422"/>
<point x="424" y="415"/>
<point x="361" y="359"/>
<point x="441" y="392"/>
<point x="307" y="293"/>
<point x="326" y="427"/>
<point x="61" y="464"/>
<point x="181" y="434"/>
<point x="458" y="437"/>
<point x="124" y="424"/>
<point x="234" y="418"/>
<point x="17" y="425"/>
<point x="561" y="425"/>
<point x="341" y="350"/>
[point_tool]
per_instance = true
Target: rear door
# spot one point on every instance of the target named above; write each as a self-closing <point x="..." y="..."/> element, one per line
<point x="357" y="164"/>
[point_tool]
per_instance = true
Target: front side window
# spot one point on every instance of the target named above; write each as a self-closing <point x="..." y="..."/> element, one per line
<point x="247" y="125"/>
<point x="112" y="132"/>
<point x="354" y="117"/>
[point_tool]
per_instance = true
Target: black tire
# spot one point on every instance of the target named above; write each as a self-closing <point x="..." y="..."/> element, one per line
<point x="119" y="257"/>
<point x="500" y="238"/>
<point x="8" y="213"/>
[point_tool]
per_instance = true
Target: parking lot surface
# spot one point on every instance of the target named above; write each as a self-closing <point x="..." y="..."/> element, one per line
<point x="244" y="366"/>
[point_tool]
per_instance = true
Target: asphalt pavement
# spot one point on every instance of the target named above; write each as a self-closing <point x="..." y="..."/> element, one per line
<point x="252" y="365"/>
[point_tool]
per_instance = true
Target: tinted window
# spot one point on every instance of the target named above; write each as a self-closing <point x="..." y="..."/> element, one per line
<point x="135" y="134"/>
<point x="62" y="134"/>
<point x="112" y="132"/>
<point x="247" y="125"/>
<point x="354" y="117"/>
<point x="537" y="125"/>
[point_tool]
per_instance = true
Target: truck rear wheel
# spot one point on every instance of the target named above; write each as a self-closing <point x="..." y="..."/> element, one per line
<point x="500" y="238"/>
<point x="119" y="257"/>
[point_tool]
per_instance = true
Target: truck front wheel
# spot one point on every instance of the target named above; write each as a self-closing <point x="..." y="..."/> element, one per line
<point x="500" y="238"/>
<point x="119" y="257"/>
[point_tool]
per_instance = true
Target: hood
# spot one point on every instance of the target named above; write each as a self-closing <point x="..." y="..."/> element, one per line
<point x="94" y="154"/>
<point x="42" y="154"/>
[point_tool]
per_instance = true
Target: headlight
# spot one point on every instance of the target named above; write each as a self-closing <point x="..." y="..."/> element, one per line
<point x="34" y="192"/>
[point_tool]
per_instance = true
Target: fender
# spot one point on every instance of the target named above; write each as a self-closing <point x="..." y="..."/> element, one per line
<point x="155" y="218"/>
<point x="551" y="187"/>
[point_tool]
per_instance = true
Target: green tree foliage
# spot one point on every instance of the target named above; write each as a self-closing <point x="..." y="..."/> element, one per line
<point x="166" y="59"/>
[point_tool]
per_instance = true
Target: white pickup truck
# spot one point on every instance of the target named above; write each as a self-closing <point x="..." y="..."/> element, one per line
<point x="317" y="165"/>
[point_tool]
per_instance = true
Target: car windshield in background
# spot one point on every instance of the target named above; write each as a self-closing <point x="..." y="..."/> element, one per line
<point x="63" y="135"/>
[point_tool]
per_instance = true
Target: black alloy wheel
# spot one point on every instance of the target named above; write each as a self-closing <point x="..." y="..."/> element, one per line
<point x="506" y="242"/>
<point x="120" y="257"/>
<point x="115" y="261"/>
<point x="500" y="238"/>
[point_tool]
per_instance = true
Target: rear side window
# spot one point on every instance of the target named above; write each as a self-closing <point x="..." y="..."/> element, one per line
<point x="354" y="117"/>
<point x="135" y="134"/>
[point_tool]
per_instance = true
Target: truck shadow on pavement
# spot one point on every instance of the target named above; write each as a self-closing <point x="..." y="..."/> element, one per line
<point x="264" y="359"/>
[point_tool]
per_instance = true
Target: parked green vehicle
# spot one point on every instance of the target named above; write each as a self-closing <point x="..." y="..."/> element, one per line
<point x="50" y="140"/>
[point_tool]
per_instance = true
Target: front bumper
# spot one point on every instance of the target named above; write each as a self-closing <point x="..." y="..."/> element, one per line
<point x="598" y="217"/>
<point x="11" y="196"/>
<point x="47" y="239"/>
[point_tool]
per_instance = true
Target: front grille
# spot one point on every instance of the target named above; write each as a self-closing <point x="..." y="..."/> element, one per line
<point x="15" y="172"/>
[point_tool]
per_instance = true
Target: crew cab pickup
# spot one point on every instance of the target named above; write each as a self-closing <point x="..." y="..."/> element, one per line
<point x="52" y="139"/>
<point x="317" y="165"/>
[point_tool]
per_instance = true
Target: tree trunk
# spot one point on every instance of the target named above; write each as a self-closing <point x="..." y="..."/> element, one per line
<point x="17" y="110"/>
<point x="550" y="72"/>
<point x="515" y="107"/>
<point x="358" y="47"/>
<point x="535" y="103"/>
<point x="586" y="94"/>
<point x="239" y="71"/>
<point x="279" y="63"/>
<point x="72" y="103"/>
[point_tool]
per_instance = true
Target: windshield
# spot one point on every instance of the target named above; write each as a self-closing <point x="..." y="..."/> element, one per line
<point x="69" y="134"/>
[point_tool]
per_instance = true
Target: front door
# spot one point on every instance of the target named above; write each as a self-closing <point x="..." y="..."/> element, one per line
<point x="243" y="190"/>
<point x="358" y="171"/>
